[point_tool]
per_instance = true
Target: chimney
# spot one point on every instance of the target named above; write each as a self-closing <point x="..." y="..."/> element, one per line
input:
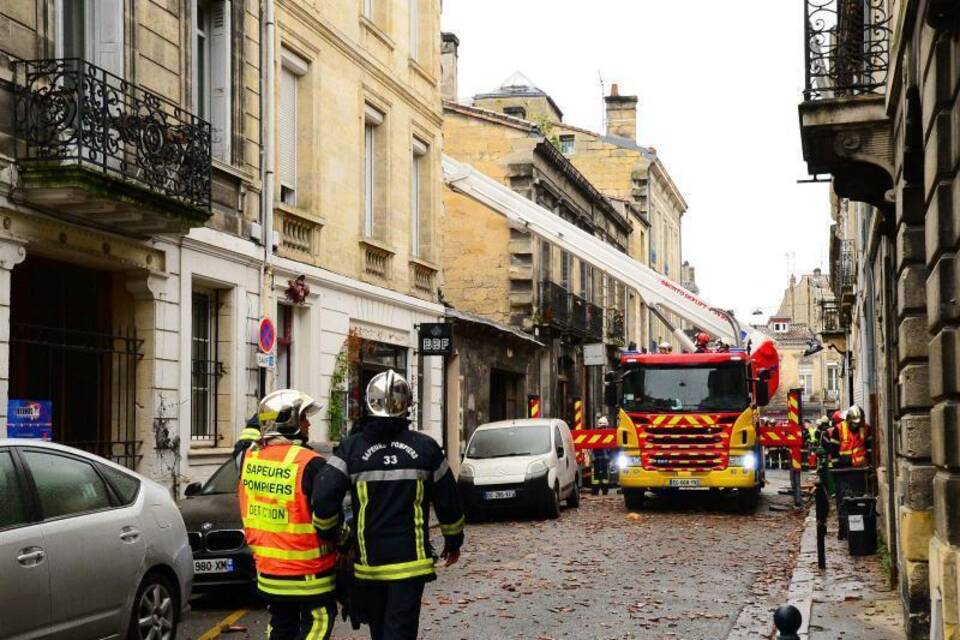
<point x="621" y="114"/>
<point x="448" y="66"/>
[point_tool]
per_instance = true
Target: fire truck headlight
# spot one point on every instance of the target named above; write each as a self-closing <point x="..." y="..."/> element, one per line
<point x="623" y="461"/>
<point x="748" y="461"/>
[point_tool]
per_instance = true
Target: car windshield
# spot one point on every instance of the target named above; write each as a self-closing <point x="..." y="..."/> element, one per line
<point x="224" y="480"/>
<point x="708" y="388"/>
<point x="510" y="441"/>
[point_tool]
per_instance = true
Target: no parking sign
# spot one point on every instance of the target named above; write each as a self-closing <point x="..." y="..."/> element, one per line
<point x="266" y="340"/>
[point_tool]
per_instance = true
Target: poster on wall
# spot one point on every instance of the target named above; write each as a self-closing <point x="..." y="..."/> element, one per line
<point x="30" y="419"/>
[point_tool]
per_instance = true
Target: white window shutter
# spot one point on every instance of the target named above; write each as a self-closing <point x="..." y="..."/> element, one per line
<point x="107" y="49"/>
<point x="288" y="128"/>
<point x="220" y="67"/>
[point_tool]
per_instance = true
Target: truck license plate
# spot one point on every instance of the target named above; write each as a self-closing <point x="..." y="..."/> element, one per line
<point x="684" y="482"/>
<point x="213" y="565"/>
<point x="499" y="495"/>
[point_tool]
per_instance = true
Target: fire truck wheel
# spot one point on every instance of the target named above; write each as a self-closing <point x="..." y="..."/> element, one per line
<point x="633" y="499"/>
<point x="748" y="499"/>
<point x="573" y="500"/>
<point x="552" y="510"/>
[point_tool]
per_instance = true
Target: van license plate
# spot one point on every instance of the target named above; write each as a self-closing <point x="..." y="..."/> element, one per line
<point x="684" y="482"/>
<point x="213" y="565"/>
<point x="499" y="495"/>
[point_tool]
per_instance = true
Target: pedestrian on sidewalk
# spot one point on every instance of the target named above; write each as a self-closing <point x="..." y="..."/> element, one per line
<point x="393" y="475"/>
<point x="295" y="568"/>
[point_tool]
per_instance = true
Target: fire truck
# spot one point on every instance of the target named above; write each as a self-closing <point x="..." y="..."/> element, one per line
<point x="690" y="421"/>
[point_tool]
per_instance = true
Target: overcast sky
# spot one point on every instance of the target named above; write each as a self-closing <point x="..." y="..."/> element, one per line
<point x="718" y="90"/>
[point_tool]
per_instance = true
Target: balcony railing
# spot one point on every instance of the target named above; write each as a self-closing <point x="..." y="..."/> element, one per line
<point x="615" y="326"/>
<point x="594" y="321"/>
<point x="843" y="266"/>
<point x="831" y="319"/>
<point x="70" y="112"/>
<point x="554" y="304"/>
<point x="578" y="313"/>
<point x="847" y="48"/>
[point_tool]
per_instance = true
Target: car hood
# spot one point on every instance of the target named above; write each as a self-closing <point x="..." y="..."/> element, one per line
<point x="222" y="510"/>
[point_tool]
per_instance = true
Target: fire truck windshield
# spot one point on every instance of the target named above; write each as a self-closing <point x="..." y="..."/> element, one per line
<point x="684" y="388"/>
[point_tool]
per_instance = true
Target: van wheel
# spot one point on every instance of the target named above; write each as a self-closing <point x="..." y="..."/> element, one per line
<point x="156" y="610"/>
<point x="633" y="499"/>
<point x="553" y="505"/>
<point x="573" y="500"/>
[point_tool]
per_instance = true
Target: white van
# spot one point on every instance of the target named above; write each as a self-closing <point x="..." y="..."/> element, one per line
<point x="520" y="463"/>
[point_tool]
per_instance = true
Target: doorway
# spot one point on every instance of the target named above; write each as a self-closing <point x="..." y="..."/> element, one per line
<point x="505" y="393"/>
<point x="65" y="351"/>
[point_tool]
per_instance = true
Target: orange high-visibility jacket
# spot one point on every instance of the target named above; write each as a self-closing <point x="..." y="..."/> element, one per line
<point x="279" y="524"/>
<point x="854" y="444"/>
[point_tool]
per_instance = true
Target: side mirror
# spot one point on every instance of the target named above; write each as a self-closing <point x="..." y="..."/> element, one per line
<point x="761" y="390"/>
<point x="193" y="489"/>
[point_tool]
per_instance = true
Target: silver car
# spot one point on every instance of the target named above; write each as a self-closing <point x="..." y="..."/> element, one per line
<point x="88" y="549"/>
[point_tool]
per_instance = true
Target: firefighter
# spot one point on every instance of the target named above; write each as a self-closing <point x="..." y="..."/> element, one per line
<point x="854" y="436"/>
<point x="702" y="342"/>
<point x="294" y="565"/>
<point x="393" y="475"/>
<point x="664" y="347"/>
<point x="600" y="476"/>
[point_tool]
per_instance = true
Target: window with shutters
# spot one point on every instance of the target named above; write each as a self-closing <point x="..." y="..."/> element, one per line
<point x="292" y="70"/>
<point x="92" y="30"/>
<point x="212" y="64"/>
<point x="374" y="174"/>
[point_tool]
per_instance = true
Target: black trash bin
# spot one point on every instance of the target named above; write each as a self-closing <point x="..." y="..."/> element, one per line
<point x="861" y="525"/>
<point x="849" y="483"/>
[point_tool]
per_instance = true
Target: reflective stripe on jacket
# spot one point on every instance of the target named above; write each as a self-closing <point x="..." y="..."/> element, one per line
<point x="290" y="558"/>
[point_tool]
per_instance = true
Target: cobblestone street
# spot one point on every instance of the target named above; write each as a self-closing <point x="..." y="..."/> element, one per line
<point x="690" y="568"/>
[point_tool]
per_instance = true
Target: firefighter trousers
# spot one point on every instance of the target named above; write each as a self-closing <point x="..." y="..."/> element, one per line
<point x="392" y="608"/>
<point x="301" y="620"/>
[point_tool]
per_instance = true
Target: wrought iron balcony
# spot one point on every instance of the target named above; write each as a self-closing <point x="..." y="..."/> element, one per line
<point x="594" y="321"/>
<point x="616" y="330"/>
<point x="105" y="150"/>
<point x="847" y="48"/>
<point x="554" y="304"/>
<point x="579" y="315"/>
<point x="843" y="267"/>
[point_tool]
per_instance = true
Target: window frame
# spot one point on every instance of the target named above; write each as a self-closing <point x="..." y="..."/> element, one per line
<point x="220" y="47"/>
<point x="113" y="498"/>
<point x="373" y="120"/>
<point x="568" y="138"/>
<point x="30" y="505"/>
<point x="295" y="67"/>
<point x="418" y="156"/>
<point x="212" y="354"/>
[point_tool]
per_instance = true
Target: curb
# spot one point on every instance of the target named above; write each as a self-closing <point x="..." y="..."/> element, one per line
<point x="803" y="581"/>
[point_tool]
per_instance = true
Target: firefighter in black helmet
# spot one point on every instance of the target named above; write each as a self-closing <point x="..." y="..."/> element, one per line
<point x="394" y="475"/>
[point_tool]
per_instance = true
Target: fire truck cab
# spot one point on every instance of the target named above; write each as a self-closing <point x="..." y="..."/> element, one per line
<point x="689" y="421"/>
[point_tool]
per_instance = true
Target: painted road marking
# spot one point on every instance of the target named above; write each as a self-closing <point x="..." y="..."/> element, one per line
<point x="215" y="632"/>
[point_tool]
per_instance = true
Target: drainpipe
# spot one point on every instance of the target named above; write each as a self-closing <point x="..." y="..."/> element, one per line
<point x="267" y="155"/>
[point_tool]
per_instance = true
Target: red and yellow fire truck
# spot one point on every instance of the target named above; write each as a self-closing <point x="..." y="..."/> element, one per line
<point x="691" y="421"/>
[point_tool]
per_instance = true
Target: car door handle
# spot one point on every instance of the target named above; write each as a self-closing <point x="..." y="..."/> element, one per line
<point x="30" y="556"/>
<point x="129" y="534"/>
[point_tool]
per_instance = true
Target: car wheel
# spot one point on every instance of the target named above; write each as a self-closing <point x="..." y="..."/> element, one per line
<point x="633" y="499"/>
<point x="573" y="500"/>
<point x="553" y="505"/>
<point x="156" y="610"/>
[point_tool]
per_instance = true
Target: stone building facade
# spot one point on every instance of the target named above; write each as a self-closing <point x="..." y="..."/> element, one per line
<point x="129" y="178"/>
<point x="880" y="117"/>
<point x="516" y="279"/>
<point x="163" y="268"/>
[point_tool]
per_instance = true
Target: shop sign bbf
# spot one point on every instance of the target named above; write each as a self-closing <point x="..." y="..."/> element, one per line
<point x="436" y="339"/>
